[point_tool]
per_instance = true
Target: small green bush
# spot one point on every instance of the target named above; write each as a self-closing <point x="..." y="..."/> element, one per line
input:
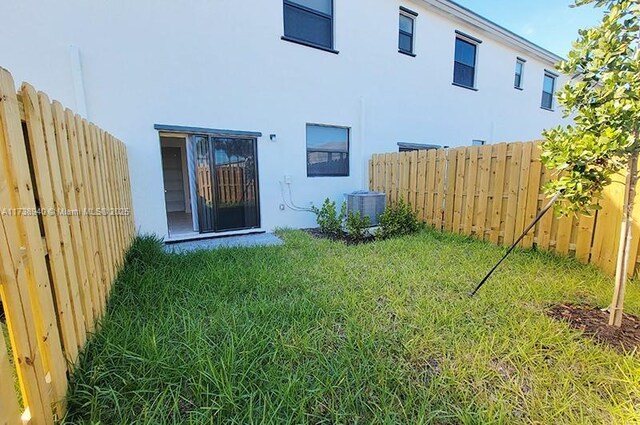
<point x="397" y="220"/>
<point x="357" y="225"/>
<point x="328" y="219"/>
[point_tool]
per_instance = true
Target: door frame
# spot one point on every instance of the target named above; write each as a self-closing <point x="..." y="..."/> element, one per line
<point x="254" y="143"/>
<point x="213" y="176"/>
<point x="188" y="132"/>
<point x="184" y="165"/>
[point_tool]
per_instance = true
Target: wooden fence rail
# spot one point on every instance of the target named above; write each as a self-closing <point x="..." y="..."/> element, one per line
<point x="493" y="192"/>
<point x="65" y="225"/>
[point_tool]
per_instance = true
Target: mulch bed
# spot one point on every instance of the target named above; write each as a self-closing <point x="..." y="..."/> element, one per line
<point x="595" y="324"/>
<point x="316" y="233"/>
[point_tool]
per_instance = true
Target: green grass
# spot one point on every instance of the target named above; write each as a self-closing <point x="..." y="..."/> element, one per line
<point x="319" y="332"/>
<point x="7" y="342"/>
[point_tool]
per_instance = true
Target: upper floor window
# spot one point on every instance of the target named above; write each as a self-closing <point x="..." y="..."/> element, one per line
<point x="519" y="79"/>
<point x="327" y="151"/>
<point x="309" y="22"/>
<point x="548" y="89"/>
<point x="407" y="31"/>
<point x="464" y="68"/>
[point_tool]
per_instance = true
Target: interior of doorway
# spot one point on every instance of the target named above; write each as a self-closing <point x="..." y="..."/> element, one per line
<point x="177" y="190"/>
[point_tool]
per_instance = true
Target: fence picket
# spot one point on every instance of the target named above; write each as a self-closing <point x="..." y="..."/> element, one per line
<point x="607" y="232"/>
<point x="412" y="192"/>
<point x="563" y="238"/>
<point x="472" y="175"/>
<point x="449" y="202"/>
<point x="394" y="166"/>
<point x="513" y="185"/>
<point x="438" y="208"/>
<point x="533" y="193"/>
<point x="498" y="192"/>
<point x="483" y="195"/>
<point x="421" y="184"/>
<point x="372" y="174"/>
<point x="523" y="188"/>
<point x="431" y="189"/>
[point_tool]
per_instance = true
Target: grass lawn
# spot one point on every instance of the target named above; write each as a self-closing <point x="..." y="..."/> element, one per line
<point x="319" y="332"/>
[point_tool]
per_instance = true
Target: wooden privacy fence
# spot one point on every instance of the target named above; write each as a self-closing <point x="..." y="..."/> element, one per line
<point x="230" y="184"/>
<point x="65" y="224"/>
<point x="494" y="192"/>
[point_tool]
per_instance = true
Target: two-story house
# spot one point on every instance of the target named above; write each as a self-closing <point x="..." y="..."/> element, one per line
<point x="240" y="114"/>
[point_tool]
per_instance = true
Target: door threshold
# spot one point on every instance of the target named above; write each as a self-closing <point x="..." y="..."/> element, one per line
<point x="199" y="236"/>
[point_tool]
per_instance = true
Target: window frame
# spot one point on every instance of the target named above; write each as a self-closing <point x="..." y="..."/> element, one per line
<point x="475" y="42"/>
<point x="522" y="62"/>
<point x="301" y="41"/>
<point x="410" y="14"/>
<point x="554" y="78"/>
<point x="348" y="150"/>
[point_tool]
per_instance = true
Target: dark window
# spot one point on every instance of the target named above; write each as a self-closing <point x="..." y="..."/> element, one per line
<point x="464" y="69"/>
<point x="327" y="151"/>
<point x="548" y="89"/>
<point x="309" y="21"/>
<point x="410" y="147"/>
<point x="405" y="42"/>
<point x="519" y="74"/>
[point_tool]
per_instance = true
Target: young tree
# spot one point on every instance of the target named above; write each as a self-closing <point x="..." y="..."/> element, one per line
<point x="604" y="98"/>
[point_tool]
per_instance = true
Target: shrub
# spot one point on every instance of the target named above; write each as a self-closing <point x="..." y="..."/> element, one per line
<point x="397" y="220"/>
<point x="357" y="225"/>
<point x="328" y="219"/>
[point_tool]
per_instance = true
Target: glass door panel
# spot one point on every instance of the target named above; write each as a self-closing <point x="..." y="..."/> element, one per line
<point x="204" y="184"/>
<point x="235" y="184"/>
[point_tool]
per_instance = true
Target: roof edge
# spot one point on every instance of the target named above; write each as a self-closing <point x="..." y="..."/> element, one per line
<point x="463" y="13"/>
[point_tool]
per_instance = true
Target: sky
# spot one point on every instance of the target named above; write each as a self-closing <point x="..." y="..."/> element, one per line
<point x="551" y="24"/>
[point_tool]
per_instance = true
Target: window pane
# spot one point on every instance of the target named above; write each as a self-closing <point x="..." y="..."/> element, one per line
<point x="406" y="24"/>
<point x="518" y="81"/>
<point x="549" y="82"/>
<point x="463" y="74"/>
<point x="320" y="138"/>
<point x="465" y="52"/>
<point x="547" y="100"/>
<point x="327" y="164"/>
<point x="405" y="43"/>
<point x="323" y="6"/>
<point x="307" y="26"/>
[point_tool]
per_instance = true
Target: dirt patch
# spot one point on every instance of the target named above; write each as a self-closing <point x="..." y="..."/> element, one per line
<point x="316" y="233"/>
<point x="595" y="323"/>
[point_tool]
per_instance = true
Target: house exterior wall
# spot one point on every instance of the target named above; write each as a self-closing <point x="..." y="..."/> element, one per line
<point x="222" y="64"/>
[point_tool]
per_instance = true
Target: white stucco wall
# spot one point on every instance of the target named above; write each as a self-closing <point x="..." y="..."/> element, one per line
<point x="222" y="64"/>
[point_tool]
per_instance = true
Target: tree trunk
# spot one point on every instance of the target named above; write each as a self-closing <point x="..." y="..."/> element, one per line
<point x="624" y="250"/>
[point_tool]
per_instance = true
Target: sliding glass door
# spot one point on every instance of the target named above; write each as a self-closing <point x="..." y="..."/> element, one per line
<point x="227" y="183"/>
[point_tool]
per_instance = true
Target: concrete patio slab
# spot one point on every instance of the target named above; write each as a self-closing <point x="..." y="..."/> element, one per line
<point x="241" y="241"/>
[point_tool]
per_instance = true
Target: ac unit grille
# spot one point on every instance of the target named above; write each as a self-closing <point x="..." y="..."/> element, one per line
<point x="370" y="204"/>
